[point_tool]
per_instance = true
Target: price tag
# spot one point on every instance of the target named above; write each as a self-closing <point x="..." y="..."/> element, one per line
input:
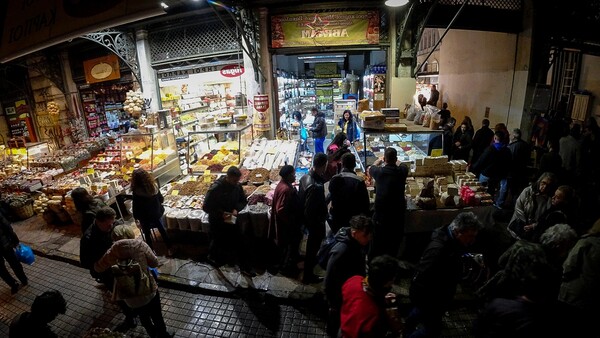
<point x="124" y="170"/>
<point x="193" y="178"/>
<point x="90" y="171"/>
<point x="206" y="172"/>
<point x="126" y="178"/>
<point x="206" y="178"/>
<point x="436" y="152"/>
<point x="175" y="192"/>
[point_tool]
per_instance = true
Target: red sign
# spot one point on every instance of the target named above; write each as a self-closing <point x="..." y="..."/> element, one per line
<point x="232" y="71"/>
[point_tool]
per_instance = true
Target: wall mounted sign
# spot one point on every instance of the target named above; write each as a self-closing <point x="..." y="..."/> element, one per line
<point x="261" y="116"/>
<point x="233" y="70"/>
<point x="325" y="29"/>
<point x="101" y="69"/>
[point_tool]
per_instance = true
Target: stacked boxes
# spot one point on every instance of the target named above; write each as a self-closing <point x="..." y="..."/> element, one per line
<point x="431" y="166"/>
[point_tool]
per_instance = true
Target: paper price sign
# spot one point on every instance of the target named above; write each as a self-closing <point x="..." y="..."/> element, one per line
<point x="90" y="171"/>
<point x="175" y="192"/>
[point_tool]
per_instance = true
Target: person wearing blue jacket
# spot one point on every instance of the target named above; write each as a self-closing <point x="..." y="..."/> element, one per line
<point x="348" y="126"/>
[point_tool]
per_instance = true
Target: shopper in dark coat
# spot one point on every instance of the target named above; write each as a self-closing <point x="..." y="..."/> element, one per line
<point x="462" y="141"/>
<point x="8" y="243"/>
<point x="390" y="204"/>
<point x="319" y="130"/>
<point x="518" y="176"/>
<point x="314" y="212"/>
<point x="224" y="199"/>
<point x="493" y="167"/>
<point x="346" y="259"/>
<point x="348" y="195"/>
<point x="44" y="309"/>
<point x="444" y="140"/>
<point x="95" y="242"/>
<point x="284" y="228"/>
<point x="481" y="140"/>
<point x="147" y="205"/>
<point x="438" y="273"/>
<point x="86" y="205"/>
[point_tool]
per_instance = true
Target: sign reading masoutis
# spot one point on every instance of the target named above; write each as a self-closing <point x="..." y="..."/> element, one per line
<point x="325" y="29"/>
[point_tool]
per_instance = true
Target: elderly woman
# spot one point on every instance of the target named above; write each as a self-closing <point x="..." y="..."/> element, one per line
<point x="147" y="303"/>
<point x="531" y="204"/>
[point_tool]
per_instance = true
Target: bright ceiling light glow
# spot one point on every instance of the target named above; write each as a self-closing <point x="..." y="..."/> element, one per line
<point x="164" y="5"/>
<point x="396" y="3"/>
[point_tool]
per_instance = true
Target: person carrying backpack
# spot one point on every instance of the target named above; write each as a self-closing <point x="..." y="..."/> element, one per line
<point x="128" y="254"/>
<point x="346" y="259"/>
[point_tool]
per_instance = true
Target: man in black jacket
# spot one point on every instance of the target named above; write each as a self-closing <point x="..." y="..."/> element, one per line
<point x="348" y="195"/>
<point x="8" y="243"/>
<point x="438" y="274"/>
<point x="493" y="168"/>
<point x="521" y="155"/>
<point x="224" y="199"/>
<point x="390" y="204"/>
<point x="44" y="309"/>
<point x="95" y="242"/>
<point x="319" y="130"/>
<point x="481" y="140"/>
<point x="346" y="259"/>
<point x="312" y="199"/>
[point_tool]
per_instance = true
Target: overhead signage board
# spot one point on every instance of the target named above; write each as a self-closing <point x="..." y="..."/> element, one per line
<point x="31" y="25"/>
<point x="325" y="29"/>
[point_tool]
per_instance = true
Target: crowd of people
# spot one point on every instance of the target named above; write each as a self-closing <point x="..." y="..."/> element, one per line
<point x="550" y="271"/>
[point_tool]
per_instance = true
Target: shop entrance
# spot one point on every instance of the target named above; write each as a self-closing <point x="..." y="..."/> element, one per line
<point x="333" y="82"/>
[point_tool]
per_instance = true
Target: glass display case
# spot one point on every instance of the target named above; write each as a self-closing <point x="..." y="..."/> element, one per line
<point x="26" y="153"/>
<point x="218" y="147"/>
<point x="411" y="145"/>
<point x="155" y="152"/>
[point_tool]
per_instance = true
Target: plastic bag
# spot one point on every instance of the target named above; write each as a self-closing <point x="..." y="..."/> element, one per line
<point x="303" y="134"/>
<point x="24" y="254"/>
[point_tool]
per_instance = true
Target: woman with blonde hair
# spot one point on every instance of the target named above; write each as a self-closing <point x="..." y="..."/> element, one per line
<point x="147" y="205"/>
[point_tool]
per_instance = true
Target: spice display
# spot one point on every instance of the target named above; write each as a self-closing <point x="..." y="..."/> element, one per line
<point x="258" y="176"/>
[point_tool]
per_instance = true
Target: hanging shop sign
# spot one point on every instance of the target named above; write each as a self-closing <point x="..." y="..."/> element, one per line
<point x="261" y="116"/>
<point x="325" y="29"/>
<point x="101" y="69"/>
<point x="233" y="70"/>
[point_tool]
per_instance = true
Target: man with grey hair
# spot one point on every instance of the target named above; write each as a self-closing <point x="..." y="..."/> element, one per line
<point x="438" y="274"/>
<point x="521" y="156"/>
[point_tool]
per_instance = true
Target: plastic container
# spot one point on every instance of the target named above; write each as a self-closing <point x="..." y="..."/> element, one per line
<point x="182" y="219"/>
<point x="171" y="219"/>
<point x="195" y="220"/>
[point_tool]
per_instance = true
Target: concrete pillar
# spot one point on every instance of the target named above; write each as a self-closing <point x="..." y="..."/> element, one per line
<point x="267" y="68"/>
<point x="148" y="79"/>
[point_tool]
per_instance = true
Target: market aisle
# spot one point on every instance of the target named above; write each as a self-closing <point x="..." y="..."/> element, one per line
<point x="187" y="314"/>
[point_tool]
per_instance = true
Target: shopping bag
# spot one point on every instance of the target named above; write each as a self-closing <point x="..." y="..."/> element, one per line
<point x="303" y="134"/>
<point x="24" y="254"/>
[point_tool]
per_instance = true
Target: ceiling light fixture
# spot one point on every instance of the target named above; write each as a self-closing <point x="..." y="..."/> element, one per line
<point x="164" y="5"/>
<point x="396" y="3"/>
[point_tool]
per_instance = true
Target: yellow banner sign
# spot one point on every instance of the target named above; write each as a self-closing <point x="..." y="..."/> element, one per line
<point x="325" y="29"/>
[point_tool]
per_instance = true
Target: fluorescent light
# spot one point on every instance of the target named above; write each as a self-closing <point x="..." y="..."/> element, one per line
<point x="164" y="5"/>
<point x="396" y="3"/>
<point x="322" y="56"/>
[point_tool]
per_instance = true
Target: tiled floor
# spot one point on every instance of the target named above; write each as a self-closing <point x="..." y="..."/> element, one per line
<point x="205" y="302"/>
<point x="188" y="314"/>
